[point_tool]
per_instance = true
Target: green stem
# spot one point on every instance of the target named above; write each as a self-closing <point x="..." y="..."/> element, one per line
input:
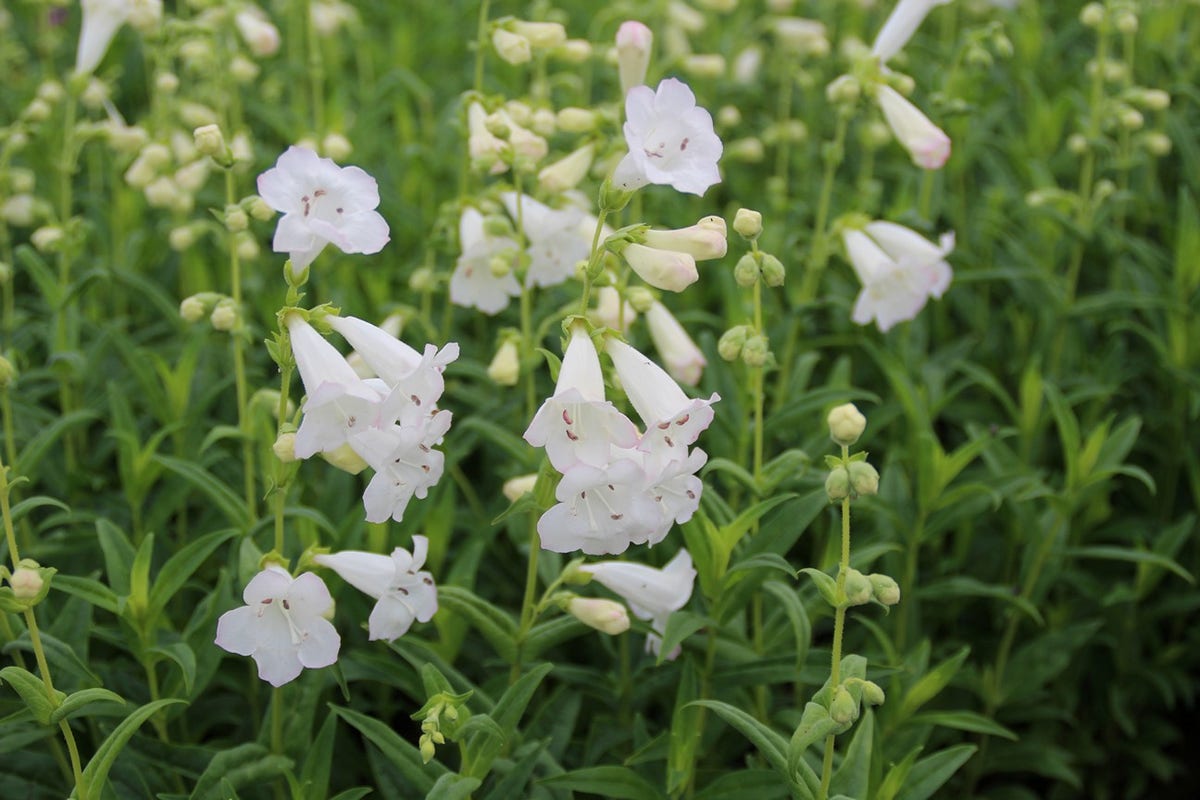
<point x="239" y="362"/>
<point x="528" y="609"/>
<point x="839" y="624"/>
<point x="63" y="339"/>
<point x="593" y="261"/>
<point x="481" y="43"/>
<point x="819" y="256"/>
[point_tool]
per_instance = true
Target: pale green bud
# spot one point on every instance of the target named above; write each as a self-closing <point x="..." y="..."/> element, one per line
<point x="511" y="47"/>
<point x="1092" y="15"/>
<point x="837" y="485"/>
<point x="872" y="693"/>
<point x="26" y="583"/>
<point x="885" y="589"/>
<point x="842" y="708"/>
<point x="428" y="751"/>
<point x="574" y="51"/>
<point x="422" y="279"/>
<point x="773" y="272"/>
<point x="846" y="424"/>
<point x="48" y="238"/>
<point x="1126" y="21"/>
<point x="38" y="110"/>
<point x="864" y="479"/>
<point x="1156" y="143"/>
<point x="606" y="616"/>
<point x="336" y="146"/>
<point x="225" y="316"/>
<point x="258" y="208"/>
<point x="1077" y="143"/>
<point x="345" y="459"/>
<point x="8" y="374"/>
<point x="285" y="447"/>
<point x="756" y="351"/>
<point x="729" y="346"/>
<point x="209" y="140"/>
<point x="505" y="368"/>
<point x="857" y="587"/>
<point x="746" y="273"/>
<point x="748" y="223"/>
<point x="500" y="265"/>
<point x="166" y="83"/>
<point x="844" y="90"/>
<point x="1131" y="119"/>
<point x="514" y="488"/>
<point x="236" y="219"/>
<point x="576" y="120"/>
<point x="640" y="298"/>
<point x="192" y="309"/>
<point x="749" y="149"/>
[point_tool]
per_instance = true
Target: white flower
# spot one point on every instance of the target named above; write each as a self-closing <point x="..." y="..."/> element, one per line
<point x="901" y="24"/>
<point x="339" y="403"/>
<point x="101" y="19"/>
<point x="322" y="203"/>
<point x="568" y="171"/>
<point x="600" y="510"/>
<point x="260" y="35"/>
<point x="673" y="420"/>
<point x="557" y="238"/>
<point x="652" y="594"/>
<point x="608" y="310"/>
<point x="682" y="357"/>
<point x="633" y="53"/>
<point x="281" y="625"/>
<point x="418" y="375"/>
<point x="669" y="270"/>
<point x="577" y="425"/>
<point x="404" y="591"/>
<point x="899" y="270"/>
<point x="511" y="47"/>
<point x="486" y="150"/>
<point x="605" y="616"/>
<point x="926" y="143"/>
<point x="671" y="140"/>
<point x="405" y="463"/>
<point x="475" y="283"/>
<point x="705" y="240"/>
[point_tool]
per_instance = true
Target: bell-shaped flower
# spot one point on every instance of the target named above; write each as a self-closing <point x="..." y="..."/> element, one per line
<point x="101" y="20"/>
<point x="281" y="626"/>
<point x="673" y="420"/>
<point x="676" y="490"/>
<point x="705" y="240"/>
<point x="483" y="277"/>
<point x="577" y="425"/>
<point x="568" y="171"/>
<point x="600" y="510"/>
<point x="321" y="203"/>
<point x="681" y="356"/>
<point x="405" y="593"/>
<point x="557" y="239"/>
<point x="899" y="270"/>
<point x="901" y="24"/>
<point x="634" y="41"/>
<point x="405" y="463"/>
<point x="926" y="143"/>
<point x="416" y="376"/>
<point x="652" y="594"/>
<point x="671" y="140"/>
<point x="338" y="402"/>
<point x="669" y="270"/>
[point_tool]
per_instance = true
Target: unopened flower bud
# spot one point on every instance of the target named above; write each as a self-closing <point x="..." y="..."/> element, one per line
<point x="633" y="54"/>
<point x="505" y="368"/>
<point x="857" y="588"/>
<point x="1126" y="21"/>
<point x="1092" y="15"/>
<point x="345" y="459"/>
<point x="773" y="273"/>
<point x="705" y="240"/>
<point x="27" y="584"/>
<point x="166" y="83"/>
<point x="209" y="140"/>
<point x="48" y="238"/>
<point x="842" y="708"/>
<point x="336" y="146"/>
<point x="8" y="373"/>
<point x="1154" y="99"/>
<point x="247" y="246"/>
<point x="236" y="219"/>
<point x="511" y="47"/>
<point x="846" y="424"/>
<point x="162" y="192"/>
<point x="607" y="616"/>
<point x="872" y="694"/>
<point x="1077" y="143"/>
<point x="885" y="589"/>
<point x="18" y="210"/>
<point x="542" y="35"/>
<point x="38" y="110"/>
<point x="243" y="69"/>
<point x="864" y="479"/>
<point x="259" y="34"/>
<point x="756" y="351"/>
<point x="748" y="223"/>
<point x="514" y="488"/>
<point x="225" y="316"/>
<point x="192" y="309"/>
<point x="709" y="66"/>
<point x="837" y="485"/>
<point x="746" y="273"/>
<point x="500" y="264"/>
<point x="1156" y="143"/>
<point x="1131" y="119"/>
<point x="285" y="447"/>
<point x="428" y="751"/>
<point x="748" y="149"/>
<point x="574" y="51"/>
<point x="258" y="208"/>
<point x="567" y="172"/>
<point x="544" y="122"/>
<point x="844" y="90"/>
<point x="95" y="94"/>
<point x="575" y="120"/>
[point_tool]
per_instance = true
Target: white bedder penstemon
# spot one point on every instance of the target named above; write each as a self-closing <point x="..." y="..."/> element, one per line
<point x="405" y="593"/>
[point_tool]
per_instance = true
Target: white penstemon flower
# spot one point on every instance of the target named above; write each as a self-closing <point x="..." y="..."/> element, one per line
<point x="322" y="203"/>
<point x="281" y="626"/>
<point x="901" y="24"/>
<point x="405" y="593"/>
<point x="558" y="238"/>
<point x="926" y="143"/>
<point x="476" y="281"/>
<point x="670" y="139"/>
<point x="652" y="594"/>
<point x="899" y="270"/>
<point x="681" y="355"/>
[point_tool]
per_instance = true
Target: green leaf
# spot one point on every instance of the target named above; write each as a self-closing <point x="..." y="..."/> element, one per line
<point x="966" y="586"/>
<point x="931" y="683"/>
<point x="729" y="535"/>
<point x="815" y="725"/>
<point x="495" y="625"/>
<point x="402" y="755"/>
<point x="1131" y="555"/>
<point x="37" y="447"/>
<point x="244" y="765"/>
<point x="789" y="601"/>
<point x="183" y="657"/>
<point x="95" y="774"/>
<point x="769" y="742"/>
<point x="684" y="737"/>
<point x="453" y="787"/>
<point x="76" y="701"/>
<point x="89" y="590"/>
<point x="765" y="561"/>
<point x="759" y="784"/>
<point x="963" y="721"/>
<point x="930" y="773"/>
<point x="32" y="690"/>
<point x="118" y="555"/>
<point x="353" y="794"/>
<point x="854" y="774"/>
<point x="618" y="783"/>
<point x="893" y="782"/>
<point x="139" y="583"/>
<point x="483" y="746"/>
<point x="179" y="567"/>
<point x="225" y="499"/>
<point x="826" y="585"/>
<point x="680" y="625"/>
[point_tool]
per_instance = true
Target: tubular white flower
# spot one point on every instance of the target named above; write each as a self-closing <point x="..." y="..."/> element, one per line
<point x="608" y="310"/>
<point x="899" y="269"/>
<point x="405" y="592"/>
<point x="600" y="510"/>
<point x="473" y="284"/>
<point x="396" y="363"/>
<point x="568" y="171"/>
<point x="652" y="594"/>
<point x="926" y="143"/>
<point x="605" y="616"/>
<point x="669" y="270"/>
<point x="705" y="240"/>
<point x="101" y="19"/>
<point x="901" y="24"/>
<point x="281" y="626"/>
<point x="577" y="425"/>
<point x="557" y="239"/>
<point x="683" y="359"/>
<point x="405" y="463"/>
<point x="485" y="149"/>
<point x="670" y="139"/>
<point x="634" y="41"/>
<point x="258" y="32"/>
<point x="322" y="203"/>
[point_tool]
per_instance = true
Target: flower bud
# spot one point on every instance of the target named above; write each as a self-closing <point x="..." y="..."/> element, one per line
<point x="844" y="90"/>
<point x="38" y="110"/>
<point x="256" y="30"/>
<point x="285" y="447"/>
<point x="1156" y="143"/>
<point x="575" y="120"/>
<point x="166" y="83"/>
<point x="192" y="309"/>
<point x="1077" y="143"/>
<point x="48" y="238"/>
<point x="514" y="488"/>
<point x="422" y="280"/>
<point x="857" y="588"/>
<point x="574" y="51"/>
<point x="1131" y="119"/>
<point x="704" y="240"/>
<point x="243" y="69"/>
<point x="886" y="590"/>
<point x="746" y="273"/>
<point x="511" y="47"/>
<point x="669" y="270"/>
<point x="640" y="298"/>
<point x="864" y="479"/>
<point x="568" y="171"/>
<point x="542" y="35"/>
<point x="773" y="273"/>
<point x="336" y="146"/>
<point x="927" y="144"/>
<point x="8" y="374"/>
<point x="1092" y="15"/>
<point x="872" y="694"/>
<point x="709" y="66"/>
<point x="756" y="351"/>
<point x="544" y="122"/>
<point x="345" y="459"/>
<point x="500" y="264"/>
<point x="505" y="368"/>
<point x="236" y="219"/>
<point x="1126" y="21"/>
<point x="842" y="708"/>
<point x="748" y="149"/>
<point x="607" y="616"/>
<point x="729" y="346"/>
<point x="162" y="192"/>
<point x="633" y="54"/>
<point x="18" y="210"/>
<point x="247" y="246"/>
<point x="27" y="584"/>
<point x="1154" y="99"/>
<point x="748" y="224"/>
<point x="225" y="316"/>
<point x="428" y="751"/>
<point x="209" y="140"/>
<point x="837" y="485"/>
<point x="846" y="424"/>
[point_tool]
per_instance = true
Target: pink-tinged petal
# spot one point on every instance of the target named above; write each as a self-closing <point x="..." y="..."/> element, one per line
<point x="360" y="190"/>
<point x="939" y="278"/>
<point x="320" y="645"/>
<point x="390" y="619"/>
<point x="236" y="630"/>
<point x="640" y="108"/>
<point x="270" y="582"/>
<point x="293" y="234"/>
<point x="927" y="144"/>
<point x="370" y="573"/>
<point x="674" y="98"/>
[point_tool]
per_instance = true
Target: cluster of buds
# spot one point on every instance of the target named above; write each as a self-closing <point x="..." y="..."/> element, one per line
<point x="516" y="40"/>
<point x="220" y="309"/>
<point x="845" y="704"/>
<point x="748" y="342"/>
<point x="850" y="476"/>
<point x="441" y="717"/>
<point x="667" y="259"/>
